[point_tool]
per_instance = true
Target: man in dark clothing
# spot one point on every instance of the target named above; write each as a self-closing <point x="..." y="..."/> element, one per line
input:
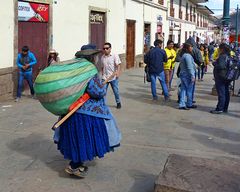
<point x="154" y="60"/>
<point x="211" y="51"/>
<point x="222" y="86"/>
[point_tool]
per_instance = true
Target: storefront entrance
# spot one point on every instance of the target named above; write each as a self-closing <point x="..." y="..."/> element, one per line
<point x="97" y="28"/>
<point x="33" y="31"/>
<point x="130" y="55"/>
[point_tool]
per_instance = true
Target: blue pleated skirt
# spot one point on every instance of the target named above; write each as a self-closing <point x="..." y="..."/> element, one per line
<point x="83" y="137"/>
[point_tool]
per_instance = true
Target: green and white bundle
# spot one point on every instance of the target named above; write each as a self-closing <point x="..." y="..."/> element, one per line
<point x="61" y="84"/>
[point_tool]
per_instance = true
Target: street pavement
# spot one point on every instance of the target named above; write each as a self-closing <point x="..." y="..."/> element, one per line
<point x="30" y="162"/>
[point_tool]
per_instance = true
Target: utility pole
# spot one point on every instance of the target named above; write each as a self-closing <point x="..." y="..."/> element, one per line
<point x="225" y="21"/>
<point x="236" y="28"/>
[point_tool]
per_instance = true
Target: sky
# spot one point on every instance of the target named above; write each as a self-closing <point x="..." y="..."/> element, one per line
<point x="218" y="4"/>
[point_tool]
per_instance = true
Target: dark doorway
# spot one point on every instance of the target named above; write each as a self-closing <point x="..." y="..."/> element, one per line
<point x="130" y="55"/>
<point x="147" y="37"/>
<point x="34" y="35"/>
<point x="97" y="28"/>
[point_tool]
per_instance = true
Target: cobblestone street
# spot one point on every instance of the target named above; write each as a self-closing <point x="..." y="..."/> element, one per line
<point x="30" y="162"/>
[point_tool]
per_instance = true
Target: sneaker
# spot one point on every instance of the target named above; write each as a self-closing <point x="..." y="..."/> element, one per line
<point x="17" y="99"/>
<point x="119" y="105"/>
<point x="183" y="108"/>
<point x="192" y="107"/>
<point x="81" y="171"/>
<point x="216" y="112"/>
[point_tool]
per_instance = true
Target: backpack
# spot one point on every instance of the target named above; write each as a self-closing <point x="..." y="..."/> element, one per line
<point x="233" y="69"/>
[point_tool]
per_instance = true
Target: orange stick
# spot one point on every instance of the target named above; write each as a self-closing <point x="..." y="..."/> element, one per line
<point x="76" y="105"/>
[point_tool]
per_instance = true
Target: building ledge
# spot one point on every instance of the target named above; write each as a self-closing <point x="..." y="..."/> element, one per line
<point x="180" y="20"/>
<point x="152" y="4"/>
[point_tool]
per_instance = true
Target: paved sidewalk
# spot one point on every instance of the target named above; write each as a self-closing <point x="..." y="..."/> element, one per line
<point x="29" y="161"/>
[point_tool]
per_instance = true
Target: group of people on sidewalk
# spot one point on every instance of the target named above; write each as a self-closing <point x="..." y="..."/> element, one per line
<point x="193" y="61"/>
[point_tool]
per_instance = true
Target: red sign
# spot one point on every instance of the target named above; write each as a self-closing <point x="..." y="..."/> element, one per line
<point x="34" y="12"/>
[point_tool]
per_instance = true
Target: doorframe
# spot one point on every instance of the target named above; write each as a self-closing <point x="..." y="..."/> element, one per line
<point x="101" y="10"/>
<point x="134" y="51"/>
<point x="50" y="27"/>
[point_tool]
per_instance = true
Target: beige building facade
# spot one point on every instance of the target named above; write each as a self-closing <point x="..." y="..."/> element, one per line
<point x="131" y="26"/>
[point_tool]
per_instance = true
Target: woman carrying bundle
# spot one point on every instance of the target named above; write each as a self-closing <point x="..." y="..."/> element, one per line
<point x="91" y="131"/>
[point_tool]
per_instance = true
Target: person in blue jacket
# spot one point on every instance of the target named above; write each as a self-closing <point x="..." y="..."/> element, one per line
<point x="25" y="62"/>
<point x="91" y="131"/>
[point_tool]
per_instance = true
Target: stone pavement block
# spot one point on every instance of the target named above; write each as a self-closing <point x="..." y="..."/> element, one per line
<point x="191" y="174"/>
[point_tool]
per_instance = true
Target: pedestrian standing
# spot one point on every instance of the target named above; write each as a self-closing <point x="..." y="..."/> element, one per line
<point x="202" y="67"/>
<point x="25" y="62"/>
<point x="222" y="86"/>
<point x="196" y="54"/>
<point x="187" y="76"/>
<point x="168" y="66"/>
<point x="53" y="57"/>
<point x="155" y="59"/>
<point x="111" y="64"/>
<point x="92" y="130"/>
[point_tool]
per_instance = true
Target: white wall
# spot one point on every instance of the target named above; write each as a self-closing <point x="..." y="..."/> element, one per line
<point x="71" y="25"/>
<point x="7" y="34"/>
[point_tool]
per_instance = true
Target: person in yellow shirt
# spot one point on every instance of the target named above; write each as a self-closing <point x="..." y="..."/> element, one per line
<point x="168" y="66"/>
<point x="205" y="58"/>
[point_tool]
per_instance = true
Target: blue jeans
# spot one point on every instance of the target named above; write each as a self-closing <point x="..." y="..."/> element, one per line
<point x="222" y="88"/>
<point x="201" y="71"/>
<point x="161" y="78"/>
<point x="171" y="78"/>
<point x="114" y="85"/>
<point x="186" y="90"/>
<point x="28" y="77"/>
<point x="194" y="86"/>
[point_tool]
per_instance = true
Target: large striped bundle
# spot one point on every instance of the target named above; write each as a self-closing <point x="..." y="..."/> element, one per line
<point x="61" y="84"/>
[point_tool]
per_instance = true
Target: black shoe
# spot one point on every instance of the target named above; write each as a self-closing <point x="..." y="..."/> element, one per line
<point x="192" y="107"/>
<point x="194" y="102"/>
<point x="183" y="108"/>
<point x="216" y="112"/>
<point x="119" y="105"/>
<point x="225" y="111"/>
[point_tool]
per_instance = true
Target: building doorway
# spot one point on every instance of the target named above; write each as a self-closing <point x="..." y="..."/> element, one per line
<point x="147" y="37"/>
<point x="130" y="54"/>
<point x="97" y="28"/>
<point x="33" y="31"/>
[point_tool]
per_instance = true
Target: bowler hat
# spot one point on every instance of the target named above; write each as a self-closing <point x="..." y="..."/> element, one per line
<point x="87" y="50"/>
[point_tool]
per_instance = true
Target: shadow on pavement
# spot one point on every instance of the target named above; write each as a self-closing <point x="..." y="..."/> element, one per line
<point x="231" y="148"/>
<point x="37" y="147"/>
<point x="143" y="182"/>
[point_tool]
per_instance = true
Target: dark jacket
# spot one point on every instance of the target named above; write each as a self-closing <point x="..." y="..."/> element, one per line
<point x="197" y="56"/>
<point x="220" y="66"/>
<point x="155" y="59"/>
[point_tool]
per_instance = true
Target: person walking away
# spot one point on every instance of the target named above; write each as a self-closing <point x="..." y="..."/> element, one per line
<point x="111" y="63"/>
<point x="211" y="51"/>
<point x="53" y="57"/>
<point x="91" y="131"/>
<point x="222" y="86"/>
<point x="203" y="65"/>
<point x="168" y="66"/>
<point x="25" y="62"/>
<point x="187" y="76"/>
<point x="155" y="59"/>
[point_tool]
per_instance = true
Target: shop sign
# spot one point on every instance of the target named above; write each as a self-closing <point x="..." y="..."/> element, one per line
<point x="34" y="12"/>
<point x="96" y="18"/>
